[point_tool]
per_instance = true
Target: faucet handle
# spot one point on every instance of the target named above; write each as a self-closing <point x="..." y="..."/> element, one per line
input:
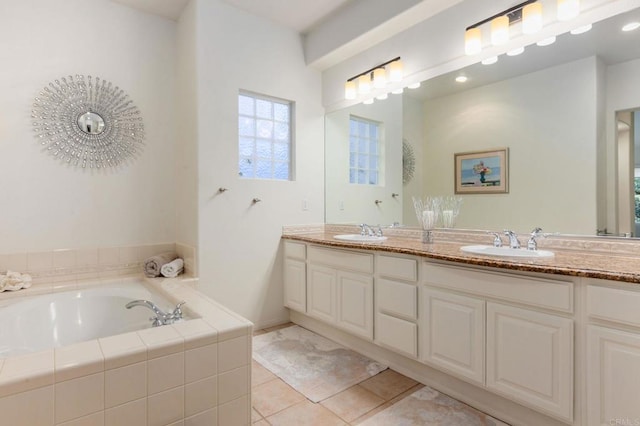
<point x="532" y="244"/>
<point x="497" y="240"/>
<point x="379" y="231"/>
<point x="177" y="312"/>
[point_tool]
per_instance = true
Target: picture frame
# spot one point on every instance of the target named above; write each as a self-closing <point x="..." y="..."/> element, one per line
<point x="482" y="172"/>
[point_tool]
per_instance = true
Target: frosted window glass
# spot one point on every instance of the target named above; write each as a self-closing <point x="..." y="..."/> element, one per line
<point x="364" y="151"/>
<point x="247" y="126"/>
<point x="265" y="137"/>
<point x="281" y="112"/>
<point x="246" y="105"/>
<point x="264" y="109"/>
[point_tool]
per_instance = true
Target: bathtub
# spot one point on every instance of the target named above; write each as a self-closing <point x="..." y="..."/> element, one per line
<point x="32" y="324"/>
<point x="80" y="357"/>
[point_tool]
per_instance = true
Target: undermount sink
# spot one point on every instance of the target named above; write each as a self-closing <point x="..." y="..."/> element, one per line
<point x="359" y="238"/>
<point x="506" y="251"/>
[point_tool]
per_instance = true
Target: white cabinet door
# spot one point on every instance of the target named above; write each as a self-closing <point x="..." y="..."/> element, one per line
<point x="295" y="285"/>
<point x="453" y="333"/>
<point x="530" y="358"/>
<point x="613" y="377"/>
<point x="321" y="293"/>
<point x="355" y="303"/>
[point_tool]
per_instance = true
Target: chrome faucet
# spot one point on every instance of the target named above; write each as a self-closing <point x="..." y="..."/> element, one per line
<point x="368" y="230"/>
<point x="514" y="243"/>
<point x="161" y="318"/>
<point x="532" y="244"/>
<point x="497" y="241"/>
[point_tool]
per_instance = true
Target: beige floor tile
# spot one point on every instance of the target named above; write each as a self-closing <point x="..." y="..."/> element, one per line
<point x="305" y="413"/>
<point x="260" y="375"/>
<point x="274" y="396"/>
<point x="255" y="416"/>
<point x="259" y="332"/>
<point x="353" y="403"/>
<point x="387" y="404"/>
<point x="262" y="422"/>
<point x="388" y="384"/>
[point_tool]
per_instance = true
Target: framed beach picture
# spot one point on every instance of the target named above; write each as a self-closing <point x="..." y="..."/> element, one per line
<point x="482" y="172"/>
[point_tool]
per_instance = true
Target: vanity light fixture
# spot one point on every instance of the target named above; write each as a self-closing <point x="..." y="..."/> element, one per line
<point x="581" y="30"/>
<point x="631" y="26"/>
<point x="374" y="78"/>
<point x="532" y="18"/>
<point x="398" y="91"/>
<point x="414" y="85"/>
<point x="382" y="96"/>
<point x="368" y="101"/>
<point x="568" y="9"/>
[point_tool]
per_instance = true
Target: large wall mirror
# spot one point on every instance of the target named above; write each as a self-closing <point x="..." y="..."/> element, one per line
<point x="554" y="107"/>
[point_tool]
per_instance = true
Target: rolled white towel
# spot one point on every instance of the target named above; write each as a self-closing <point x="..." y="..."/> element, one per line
<point x="153" y="264"/>
<point x="14" y="281"/>
<point x="172" y="269"/>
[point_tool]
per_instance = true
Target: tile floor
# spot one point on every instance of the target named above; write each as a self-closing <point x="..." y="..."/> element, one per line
<point x="276" y="403"/>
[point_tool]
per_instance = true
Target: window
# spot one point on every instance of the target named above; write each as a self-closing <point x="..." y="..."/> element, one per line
<point x="364" y="151"/>
<point x="265" y="137"/>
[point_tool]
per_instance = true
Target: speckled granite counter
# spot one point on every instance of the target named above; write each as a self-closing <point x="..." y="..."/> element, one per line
<point x="610" y="259"/>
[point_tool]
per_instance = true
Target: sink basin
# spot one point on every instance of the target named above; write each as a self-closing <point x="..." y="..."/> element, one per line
<point x="507" y="252"/>
<point x="359" y="238"/>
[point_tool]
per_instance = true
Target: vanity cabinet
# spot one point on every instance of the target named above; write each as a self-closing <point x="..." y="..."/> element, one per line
<point x="486" y="327"/>
<point x="454" y="333"/>
<point x="295" y="276"/>
<point x="613" y="355"/>
<point x="340" y="289"/>
<point x="396" y="304"/>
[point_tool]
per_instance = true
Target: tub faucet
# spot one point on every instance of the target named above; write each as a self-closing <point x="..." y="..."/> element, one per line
<point x="161" y="318"/>
<point x="514" y="243"/>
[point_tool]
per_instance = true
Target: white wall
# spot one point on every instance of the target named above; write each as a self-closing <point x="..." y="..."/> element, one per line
<point x="352" y="203"/>
<point x="240" y="262"/>
<point x="544" y="151"/>
<point x="47" y="205"/>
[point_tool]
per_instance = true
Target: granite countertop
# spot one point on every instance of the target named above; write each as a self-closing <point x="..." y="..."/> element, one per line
<point x="602" y="264"/>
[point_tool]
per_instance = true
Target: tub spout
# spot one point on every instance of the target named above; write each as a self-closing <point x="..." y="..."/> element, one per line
<point x="161" y="318"/>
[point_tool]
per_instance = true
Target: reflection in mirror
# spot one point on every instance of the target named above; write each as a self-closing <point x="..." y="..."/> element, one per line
<point x="91" y="123"/>
<point x="628" y="143"/>
<point x="553" y="107"/>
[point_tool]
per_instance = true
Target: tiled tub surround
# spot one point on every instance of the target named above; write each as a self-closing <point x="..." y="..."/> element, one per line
<point x="604" y="258"/>
<point x="63" y="265"/>
<point x="195" y="372"/>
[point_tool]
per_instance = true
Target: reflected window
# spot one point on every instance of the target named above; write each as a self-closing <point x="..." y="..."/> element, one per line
<point x="364" y="151"/>
<point x="265" y="137"/>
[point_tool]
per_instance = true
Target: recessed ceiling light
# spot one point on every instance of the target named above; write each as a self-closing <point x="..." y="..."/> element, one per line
<point x="368" y="101"/>
<point x="461" y="79"/>
<point x="383" y="96"/>
<point x="490" y="60"/>
<point x="582" y="29"/>
<point x="515" y="52"/>
<point x="631" y="26"/>
<point x="547" y="41"/>
<point x="414" y="85"/>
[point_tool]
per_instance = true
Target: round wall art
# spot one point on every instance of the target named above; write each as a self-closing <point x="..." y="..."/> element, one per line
<point x="87" y="122"/>
<point x="408" y="162"/>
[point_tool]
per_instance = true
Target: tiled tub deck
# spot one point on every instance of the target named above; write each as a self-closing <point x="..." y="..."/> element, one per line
<point x="196" y="372"/>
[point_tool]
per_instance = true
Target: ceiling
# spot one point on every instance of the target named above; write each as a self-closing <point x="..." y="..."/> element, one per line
<point x="606" y="40"/>
<point x="300" y="15"/>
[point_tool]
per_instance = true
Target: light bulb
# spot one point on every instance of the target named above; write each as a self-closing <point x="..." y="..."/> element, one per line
<point x="368" y="101"/>
<point x="490" y="60"/>
<point x="547" y="41"/>
<point x="379" y="78"/>
<point x="382" y="96"/>
<point x="364" y="84"/>
<point x="499" y="30"/>
<point x="532" y="18"/>
<point x="581" y="30"/>
<point x="472" y="41"/>
<point x="515" y="52"/>
<point x="568" y="9"/>
<point x="414" y="85"/>
<point x="398" y="91"/>
<point x="350" y="90"/>
<point x="395" y="71"/>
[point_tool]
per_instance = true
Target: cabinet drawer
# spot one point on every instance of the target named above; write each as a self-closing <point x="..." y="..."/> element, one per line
<point x="295" y="250"/>
<point x="614" y="304"/>
<point x="397" y="267"/>
<point x="358" y="262"/>
<point x="552" y="294"/>
<point x="397" y="298"/>
<point x="397" y="334"/>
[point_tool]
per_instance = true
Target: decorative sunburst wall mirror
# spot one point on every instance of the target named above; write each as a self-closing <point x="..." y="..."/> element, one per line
<point x="87" y="122"/>
<point x="408" y="162"/>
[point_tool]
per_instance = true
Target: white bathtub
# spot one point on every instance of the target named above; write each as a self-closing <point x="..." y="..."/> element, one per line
<point x="35" y="323"/>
